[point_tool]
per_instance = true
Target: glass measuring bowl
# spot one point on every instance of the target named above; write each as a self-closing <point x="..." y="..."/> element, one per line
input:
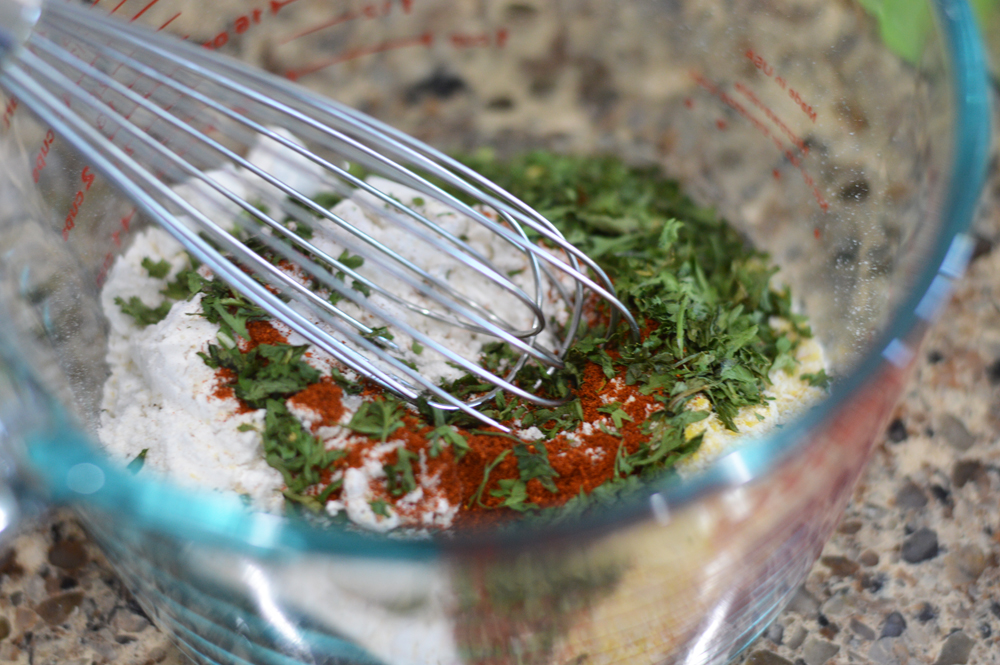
<point x="847" y="143"/>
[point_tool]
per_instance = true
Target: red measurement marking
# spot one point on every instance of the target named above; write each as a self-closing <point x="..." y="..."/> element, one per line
<point x="169" y="21"/>
<point x="116" y="238"/>
<point x="816" y="233"/>
<point x="806" y="108"/>
<point x="731" y="103"/>
<point x="88" y="179"/>
<point x="102" y="274"/>
<point x="369" y="11"/>
<point x="276" y="5"/>
<point x="776" y="173"/>
<point x="118" y="6"/>
<point x="759" y="62"/>
<point x="760" y="126"/>
<point x="768" y="70"/>
<point x="8" y="112"/>
<point x="240" y="25"/>
<point x="143" y="10"/>
<point x="481" y="40"/>
<point x="42" y="153"/>
<point x="720" y="123"/>
<point x="689" y="103"/>
<point x="127" y="219"/>
<point x="773" y="117"/>
<point x="426" y="39"/>
<point x="343" y="18"/>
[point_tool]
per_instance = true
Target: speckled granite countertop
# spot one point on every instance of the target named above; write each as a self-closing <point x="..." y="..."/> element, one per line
<point x="912" y="574"/>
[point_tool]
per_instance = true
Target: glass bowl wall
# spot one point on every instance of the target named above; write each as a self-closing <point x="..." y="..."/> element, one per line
<point x="849" y="147"/>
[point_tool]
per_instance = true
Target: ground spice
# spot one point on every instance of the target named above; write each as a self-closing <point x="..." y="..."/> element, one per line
<point x="583" y="462"/>
<point x="261" y="332"/>
<point x="224" y="379"/>
<point x="323" y="398"/>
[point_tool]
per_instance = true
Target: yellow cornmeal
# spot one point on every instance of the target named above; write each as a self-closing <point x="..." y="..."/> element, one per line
<point x="787" y="396"/>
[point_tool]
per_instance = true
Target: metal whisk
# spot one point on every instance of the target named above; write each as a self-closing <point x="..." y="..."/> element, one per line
<point x="171" y="125"/>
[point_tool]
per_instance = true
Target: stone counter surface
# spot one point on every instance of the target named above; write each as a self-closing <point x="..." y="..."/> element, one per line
<point x="912" y="574"/>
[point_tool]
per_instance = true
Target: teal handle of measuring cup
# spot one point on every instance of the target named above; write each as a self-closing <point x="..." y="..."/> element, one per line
<point x="23" y="408"/>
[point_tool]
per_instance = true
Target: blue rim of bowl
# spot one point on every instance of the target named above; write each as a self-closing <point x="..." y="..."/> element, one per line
<point x="61" y="450"/>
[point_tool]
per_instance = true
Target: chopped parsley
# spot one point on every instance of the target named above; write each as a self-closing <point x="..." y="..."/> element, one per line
<point x="143" y="314"/>
<point x="157" y="270"/>
<point x="702" y="291"/>
<point x="135" y="466"/>
<point x="378" y="419"/>
<point x="701" y="294"/>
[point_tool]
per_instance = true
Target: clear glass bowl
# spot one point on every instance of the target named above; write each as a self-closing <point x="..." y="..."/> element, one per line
<point x="847" y="139"/>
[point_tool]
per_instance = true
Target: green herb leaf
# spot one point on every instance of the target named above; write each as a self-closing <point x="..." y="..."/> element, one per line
<point x="380" y="507"/>
<point x="514" y="493"/>
<point x="449" y="435"/>
<point x="184" y="285"/>
<point x="378" y="419"/>
<point x="817" y="379"/>
<point x="478" y="496"/>
<point x="157" y="270"/>
<point x="534" y="465"/>
<point x="135" y="466"/>
<point x="618" y="415"/>
<point x="400" y="479"/>
<point x="143" y="314"/>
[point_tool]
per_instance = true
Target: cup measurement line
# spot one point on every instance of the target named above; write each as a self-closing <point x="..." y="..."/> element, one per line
<point x="87" y="176"/>
<point x="244" y="22"/>
<point x="491" y="38"/>
<point x="789" y="154"/>
<point x="768" y="70"/>
<point x="371" y="11"/>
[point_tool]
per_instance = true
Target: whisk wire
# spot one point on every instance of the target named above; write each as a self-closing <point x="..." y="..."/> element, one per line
<point x="208" y="254"/>
<point x="282" y="97"/>
<point x="46" y="106"/>
<point x="177" y="127"/>
<point x="468" y="255"/>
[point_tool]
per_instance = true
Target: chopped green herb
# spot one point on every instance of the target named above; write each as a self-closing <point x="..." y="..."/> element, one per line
<point x="135" y="466"/>
<point x="477" y="498"/>
<point x="377" y="419"/>
<point x="349" y="261"/>
<point x="534" y="464"/>
<point x="380" y="507"/>
<point x="447" y="434"/>
<point x="514" y="493"/>
<point x="618" y="415"/>
<point x="399" y="476"/>
<point x="143" y="314"/>
<point x="186" y="283"/>
<point x="817" y="379"/>
<point x="157" y="270"/>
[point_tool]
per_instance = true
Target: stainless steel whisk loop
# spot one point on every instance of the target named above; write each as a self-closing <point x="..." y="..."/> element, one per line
<point x="154" y="115"/>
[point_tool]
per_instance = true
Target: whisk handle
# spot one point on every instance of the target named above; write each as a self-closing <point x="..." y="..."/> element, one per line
<point x="17" y="18"/>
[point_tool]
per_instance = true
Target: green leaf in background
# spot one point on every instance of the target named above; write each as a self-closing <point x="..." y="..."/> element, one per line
<point x="905" y="24"/>
<point x="988" y="16"/>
